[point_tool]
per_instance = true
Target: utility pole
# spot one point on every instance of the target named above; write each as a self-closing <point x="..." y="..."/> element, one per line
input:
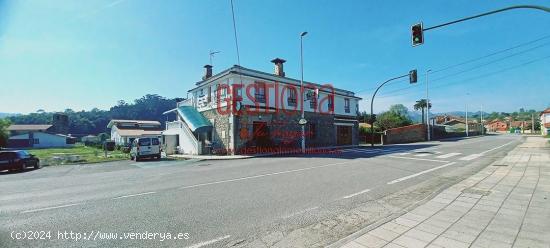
<point x="302" y="90"/>
<point x="482" y="126"/>
<point x="532" y="123"/>
<point x="428" y="106"/>
<point x="467" y="131"/>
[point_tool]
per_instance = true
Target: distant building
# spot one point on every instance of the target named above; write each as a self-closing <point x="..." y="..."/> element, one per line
<point x="37" y="136"/>
<point x="41" y="135"/>
<point x="123" y="132"/>
<point x="497" y="126"/>
<point x="545" y="121"/>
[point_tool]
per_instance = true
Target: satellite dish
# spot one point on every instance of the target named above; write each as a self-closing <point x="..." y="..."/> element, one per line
<point x="302" y="121"/>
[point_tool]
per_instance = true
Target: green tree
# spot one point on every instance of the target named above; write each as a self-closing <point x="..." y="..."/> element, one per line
<point x="397" y="116"/>
<point x="4" y="124"/>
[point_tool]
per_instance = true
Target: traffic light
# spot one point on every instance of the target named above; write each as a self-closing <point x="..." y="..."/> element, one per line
<point x="412" y="76"/>
<point x="417" y="34"/>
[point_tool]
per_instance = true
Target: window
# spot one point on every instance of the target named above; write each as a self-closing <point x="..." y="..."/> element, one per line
<point x="36" y="141"/>
<point x="292" y="100"/>
<point x="145" y="142"/>
<point x="313" y="100"/>
<point x="209" y="92"/>
<point x="331" y="103"/>
<point x="259" y="89"/>
<point x="201" y="92"/>
<point x="346" y="105"/>
<point x="155" y="141"/>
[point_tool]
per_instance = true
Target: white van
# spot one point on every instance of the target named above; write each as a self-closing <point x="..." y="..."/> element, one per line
<point x="145" y="148"/>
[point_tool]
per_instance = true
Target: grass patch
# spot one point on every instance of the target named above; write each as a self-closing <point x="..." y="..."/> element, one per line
<point x="76" y="155"/>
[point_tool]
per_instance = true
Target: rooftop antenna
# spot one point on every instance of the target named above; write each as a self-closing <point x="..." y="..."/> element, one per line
<point x="212" y="56"/>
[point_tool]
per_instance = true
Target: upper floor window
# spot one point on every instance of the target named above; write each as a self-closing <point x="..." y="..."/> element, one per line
<point x="259" y="89"/>
<point x="313" y="101"/>
<point x="292" y="100"/>
<point x="201" y="92"/>
<point x="209" y="94"/>
<point x="331" y="103"/>
<point x="346" y="105"/>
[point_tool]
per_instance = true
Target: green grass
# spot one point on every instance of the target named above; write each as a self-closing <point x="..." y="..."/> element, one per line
<point x="83" y="154"/>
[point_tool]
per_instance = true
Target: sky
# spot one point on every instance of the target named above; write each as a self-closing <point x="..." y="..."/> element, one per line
<point x="89" y="54"/>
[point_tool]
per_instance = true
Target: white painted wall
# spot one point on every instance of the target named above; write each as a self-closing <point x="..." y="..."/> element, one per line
<point x="45" y="140"/>
<point x="339" y="106"/>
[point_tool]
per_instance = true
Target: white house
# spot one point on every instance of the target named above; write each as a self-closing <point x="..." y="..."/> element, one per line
<point x="545" y="121"/>
<point x="241" y="110"/>
<point x="37" y="136"/>
<point x="123" y="132"/>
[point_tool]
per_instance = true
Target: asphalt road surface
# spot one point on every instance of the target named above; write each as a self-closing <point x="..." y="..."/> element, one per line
<point x="215" y="203"/>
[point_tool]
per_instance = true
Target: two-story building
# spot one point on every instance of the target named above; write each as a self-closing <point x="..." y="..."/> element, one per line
<point x="123" y="132"/>
<point x="241" y="110"/>
<point x="545" y="121"/>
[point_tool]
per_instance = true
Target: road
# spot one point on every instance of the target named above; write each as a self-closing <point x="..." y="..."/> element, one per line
<point x="221" y="203"/>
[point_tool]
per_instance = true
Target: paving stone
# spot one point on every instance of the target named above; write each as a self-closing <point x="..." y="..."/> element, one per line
<point x="487" y="243"/>
<point x="450" y="243"/>
<point x="523" y="242"/>
<point x="394" y="227"/>
<point x="421" y="235"/>
<point x="352" y="244"/>
<point x="371" y="241"/>
<point x="410" y="242"/>
<point x="384" y="234"/>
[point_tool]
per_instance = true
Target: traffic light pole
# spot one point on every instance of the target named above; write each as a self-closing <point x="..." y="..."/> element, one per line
<point x="543" y="8"/>
<point x="372" y="108"/>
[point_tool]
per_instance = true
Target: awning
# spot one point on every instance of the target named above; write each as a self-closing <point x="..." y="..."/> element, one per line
<point x="194" y="119"/>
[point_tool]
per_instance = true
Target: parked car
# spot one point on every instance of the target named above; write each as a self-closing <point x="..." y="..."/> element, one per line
<point x="145" y="148"/>
<point x="18" y="160"/>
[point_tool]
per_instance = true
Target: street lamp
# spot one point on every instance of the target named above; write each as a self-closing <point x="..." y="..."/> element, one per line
<point x="412" y="80"/>
<point x="302" y="90"/>
<point x="428" y="106"/>
<point x="467" y="131"/>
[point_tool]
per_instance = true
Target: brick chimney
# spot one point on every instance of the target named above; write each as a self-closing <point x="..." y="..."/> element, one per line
<point x="207" y="72"/>
<point x="279" y="71"/>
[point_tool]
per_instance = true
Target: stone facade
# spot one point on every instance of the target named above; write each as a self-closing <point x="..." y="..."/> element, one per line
<point x="221" y="133"/>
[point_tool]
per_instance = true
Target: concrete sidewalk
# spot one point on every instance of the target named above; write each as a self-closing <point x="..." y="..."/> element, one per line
<point x="507" y="204"/>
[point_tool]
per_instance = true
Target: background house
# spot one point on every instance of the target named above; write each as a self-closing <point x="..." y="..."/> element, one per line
<point x="41" y="135"/>
<point x="123" y="132"/>
<point x="497" y="126"/>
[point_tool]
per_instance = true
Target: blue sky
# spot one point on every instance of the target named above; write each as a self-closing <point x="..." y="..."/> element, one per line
<point x="85" y="54"/>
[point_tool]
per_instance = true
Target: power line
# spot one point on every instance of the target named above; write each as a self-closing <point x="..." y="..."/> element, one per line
<point x="473" y="68"/>
<point x="235" y="33"/>
<point x="481" y="76"/>
<point x="470" y="61"/>
<point x="491" y="54"/>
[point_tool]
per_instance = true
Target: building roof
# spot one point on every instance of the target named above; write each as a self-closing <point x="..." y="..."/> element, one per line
<point x="547" y="125"/>
<point x="546" y="111"/>
<point x="33" y="127"/>
<point x="138" y="132"/>
<point x="118" y="121"/>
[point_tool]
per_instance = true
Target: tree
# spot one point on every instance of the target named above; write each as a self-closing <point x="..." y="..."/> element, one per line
<point x="397" y="116"/>
<point x="421" y="104"/>
<point x="4" y="124"/>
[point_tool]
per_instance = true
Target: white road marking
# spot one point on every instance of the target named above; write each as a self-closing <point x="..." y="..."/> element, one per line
<point x="477" y="155"/>
<point x="356" y="194"/>
<point x="420" y="173"/>
<point x="126" y="196"/>
<point x="471" y="157"/>
<point x="209" y="242"/>
<point x="498" y="147"/>
<point x="421" y="159"/>
<point x="448" y="155"/>
<point x="264" y="175"/>
<point x="48" y="208"/>
<point x="422" y="154"/>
